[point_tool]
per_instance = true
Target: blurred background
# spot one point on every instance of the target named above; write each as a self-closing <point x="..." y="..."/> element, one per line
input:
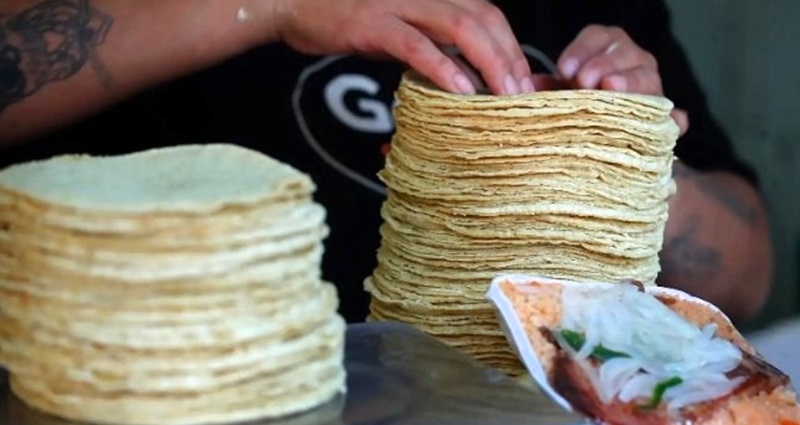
<point x="745" y="54"/>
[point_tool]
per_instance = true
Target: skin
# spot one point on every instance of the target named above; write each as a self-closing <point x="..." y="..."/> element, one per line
<point x="62" y="60"/>
<point x="716" y="243"/>
<point x="205" y="32"/>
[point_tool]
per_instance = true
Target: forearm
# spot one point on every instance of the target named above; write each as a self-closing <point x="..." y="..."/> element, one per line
<point x="716" y="244"/>
<point x="63" y="60"/>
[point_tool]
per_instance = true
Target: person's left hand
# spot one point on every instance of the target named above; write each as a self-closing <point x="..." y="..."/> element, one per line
<point x="606" y="58"/>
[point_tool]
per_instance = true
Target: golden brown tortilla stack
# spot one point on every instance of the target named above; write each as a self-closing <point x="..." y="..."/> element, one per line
<point x="172" y="286"/>
<point x="569" y="184"/>
<point x="628" y="354"/>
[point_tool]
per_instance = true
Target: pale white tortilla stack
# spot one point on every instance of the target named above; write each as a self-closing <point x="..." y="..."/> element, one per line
<point x="567" y="184"/>
<point x="171" y="286"/>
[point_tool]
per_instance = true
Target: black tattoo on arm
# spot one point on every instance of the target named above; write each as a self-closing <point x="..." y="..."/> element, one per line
<point x="686" y="260"/>
<point x="735" y="204"/>
<point x="50" y="41"/>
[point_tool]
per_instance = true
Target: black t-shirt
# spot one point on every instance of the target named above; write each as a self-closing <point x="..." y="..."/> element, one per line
<point x="331" y="117"/>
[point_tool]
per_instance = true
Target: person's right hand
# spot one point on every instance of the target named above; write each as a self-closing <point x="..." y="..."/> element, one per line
<point x="412" y="32"/>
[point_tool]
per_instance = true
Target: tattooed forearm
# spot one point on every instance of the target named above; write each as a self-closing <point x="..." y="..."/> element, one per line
<point x="50" y="41"/>
<point x="684" y="259"/>
<point x="731" y="201"/>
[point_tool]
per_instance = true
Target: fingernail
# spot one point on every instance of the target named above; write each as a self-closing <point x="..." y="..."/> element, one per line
<point x="617" y="83"/>
<point x="510" y="85"/>
<point x="569" y="68"/>
<point x="463" y="85"/>
<point x="527" y="85"/>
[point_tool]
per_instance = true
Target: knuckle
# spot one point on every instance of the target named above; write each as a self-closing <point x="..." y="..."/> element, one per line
<point x="599" y="34"/>
<point x="617" y="33"/>
<point x="492" y="14"/>
<point x="463" y="24"/>
<point x="364" y="41"/>
<point x="366" y="12"/>
<point x="413" y="44"/>
<point x="365" y="44"/>
<point x="650" y="60"/>
<point x="595" y="30"/>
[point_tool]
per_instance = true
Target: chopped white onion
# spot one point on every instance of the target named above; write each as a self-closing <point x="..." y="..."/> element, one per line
<point x="614" y="374"/>
<point x="642" y="384"/>
<point x="662" y="345"/>
<point x="696" y="392"/>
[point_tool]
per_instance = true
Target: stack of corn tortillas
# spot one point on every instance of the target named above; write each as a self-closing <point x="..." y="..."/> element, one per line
<point x="173" y="286"/>
<point x="566" y="184"/>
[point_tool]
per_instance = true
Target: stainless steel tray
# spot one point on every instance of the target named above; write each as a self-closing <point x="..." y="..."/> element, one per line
<point x="396" y="376"/>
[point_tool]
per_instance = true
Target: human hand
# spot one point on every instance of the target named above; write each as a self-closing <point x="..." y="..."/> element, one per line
<point x="412" y="31"/>
<point x="606" y="58"/>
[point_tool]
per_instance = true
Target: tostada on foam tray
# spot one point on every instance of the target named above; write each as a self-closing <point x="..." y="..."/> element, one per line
<point x="627" y="354"/>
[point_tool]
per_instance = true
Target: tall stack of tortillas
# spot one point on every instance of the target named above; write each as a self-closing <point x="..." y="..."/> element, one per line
<point x="173" y="286"/>
<point x="566" y="184"/>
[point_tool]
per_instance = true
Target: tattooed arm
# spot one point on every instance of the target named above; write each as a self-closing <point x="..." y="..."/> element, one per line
<point x="717" y="243"/>
<point x="61" y="60"/>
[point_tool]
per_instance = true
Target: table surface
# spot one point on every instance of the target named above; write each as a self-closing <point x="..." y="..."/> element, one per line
<point x="396" y="375"/>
